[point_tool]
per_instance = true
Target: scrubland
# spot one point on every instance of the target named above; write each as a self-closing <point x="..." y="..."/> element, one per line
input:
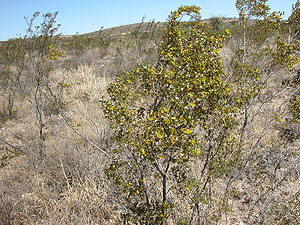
<point x="67" y="185"/>
<point x="56" y="145"/>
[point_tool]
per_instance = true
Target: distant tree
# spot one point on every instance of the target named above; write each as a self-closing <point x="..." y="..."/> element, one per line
<point x="31" y="58"/>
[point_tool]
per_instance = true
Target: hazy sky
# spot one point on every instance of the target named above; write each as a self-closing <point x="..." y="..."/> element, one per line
<point x="90" y="15"/>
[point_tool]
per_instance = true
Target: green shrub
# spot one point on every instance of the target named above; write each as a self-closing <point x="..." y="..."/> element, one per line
<point x="154" y="112"/>
<point x="186" y="113"/>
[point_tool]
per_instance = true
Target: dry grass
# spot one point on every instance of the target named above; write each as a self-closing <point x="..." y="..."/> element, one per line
<point x="67" y="185"/>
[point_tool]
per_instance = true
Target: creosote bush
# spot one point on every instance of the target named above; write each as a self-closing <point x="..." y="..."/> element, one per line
<point x="155" y="112"/>
<point x="185" y="130"/>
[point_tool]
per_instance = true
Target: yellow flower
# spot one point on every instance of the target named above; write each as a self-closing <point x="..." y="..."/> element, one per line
<point x="187" y="131"/>
<point x="166" y="121"/>
<point x="172" y="140"/>
<point x="158" y="134"/>
<point x="205" y="125"/>
<point x="128" y="184"/>
<point x="196" y="151"/>
<point x="120" y="180"/>
<point x="152" y="70"/>
<point x="143" y="152"/>
<point x="192" y="104"/>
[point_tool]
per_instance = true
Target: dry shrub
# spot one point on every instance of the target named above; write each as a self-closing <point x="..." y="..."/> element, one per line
<point x="66" y="185"/>
<point x="71" y="185"/>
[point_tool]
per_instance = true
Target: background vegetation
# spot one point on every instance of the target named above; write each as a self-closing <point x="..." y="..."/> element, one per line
<point x="183" y="122"/>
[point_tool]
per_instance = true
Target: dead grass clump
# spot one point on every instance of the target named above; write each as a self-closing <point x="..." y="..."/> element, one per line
<point x="67" y="185"/>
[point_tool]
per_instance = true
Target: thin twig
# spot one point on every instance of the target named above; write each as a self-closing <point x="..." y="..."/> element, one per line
<point x="12" y="146"/>
<point x="84" y="137"/>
